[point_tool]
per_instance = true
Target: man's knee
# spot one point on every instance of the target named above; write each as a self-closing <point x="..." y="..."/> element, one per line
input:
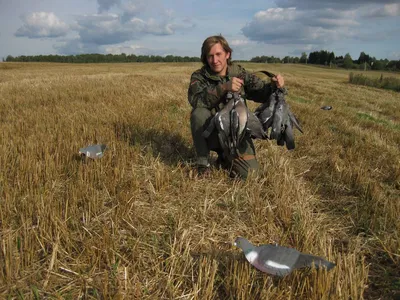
<point x="200" y="116"/>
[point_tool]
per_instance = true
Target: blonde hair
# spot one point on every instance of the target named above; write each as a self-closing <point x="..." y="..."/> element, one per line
<point x="210" y="42"/>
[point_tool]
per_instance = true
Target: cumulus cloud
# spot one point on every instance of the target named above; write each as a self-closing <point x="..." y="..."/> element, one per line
<point x="105" y="5"/>
<point x="388" y="10"/>
<point x="394" y="55"/>
<point x="239" y="42"/>
<point x="102" y="30"/>
<point x="75" y="46"/>
<point x="110" y="29"/>
<point x="337" y="4"/>
<point x="94" y="31"/>
<point x="42" y="25"/>
<point x="293" y="26"/>
<point x="151" y="26"/>
<point x="132" y="49"/>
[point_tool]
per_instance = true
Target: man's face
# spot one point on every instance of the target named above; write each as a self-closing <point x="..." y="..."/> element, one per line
<point x="217" y="59"/>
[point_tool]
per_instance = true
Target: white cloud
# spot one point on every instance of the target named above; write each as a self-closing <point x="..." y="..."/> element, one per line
<point x="388" y="10"/>
<point x="75" y="46"/>
<point x="132" y="49"/>
<point x="337" y="4"/>
<point x="105" y="5"/>
<point x="395" y="55"/>
<point x="42" y="25"/>
<point x="239" y="42"/>
<point x="294" y="26"/>
<point x="151" y="26"/>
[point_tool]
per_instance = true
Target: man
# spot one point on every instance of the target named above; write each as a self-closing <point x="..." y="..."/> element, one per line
<point x="207" y="95"/>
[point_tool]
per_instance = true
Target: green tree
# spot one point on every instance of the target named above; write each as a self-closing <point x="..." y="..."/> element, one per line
<point x="303" y="58"/>
<point x="348" y="61"/>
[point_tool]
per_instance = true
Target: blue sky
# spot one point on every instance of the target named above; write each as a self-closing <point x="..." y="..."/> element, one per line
<point x="253" y="28"/>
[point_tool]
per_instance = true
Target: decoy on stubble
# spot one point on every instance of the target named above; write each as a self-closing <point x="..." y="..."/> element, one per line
<point x="93" y="151"/>
<point x="279" y="260"/>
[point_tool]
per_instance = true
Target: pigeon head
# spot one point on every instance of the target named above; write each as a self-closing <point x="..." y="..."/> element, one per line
<point x="243" y="244"/>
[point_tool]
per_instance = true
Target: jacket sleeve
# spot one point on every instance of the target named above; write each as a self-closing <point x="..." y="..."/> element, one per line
<point x="204" y="94"/>
<point x="257" y="89"/>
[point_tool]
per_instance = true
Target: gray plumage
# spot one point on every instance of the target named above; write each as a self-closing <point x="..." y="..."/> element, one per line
<point x="93" y="151"/>
<point x="256" y="128"/>
<point x="265" y="112"/>
<point x="230" y="122"/>
<point x="279" y="260"/>
<point x="275" y="114"/>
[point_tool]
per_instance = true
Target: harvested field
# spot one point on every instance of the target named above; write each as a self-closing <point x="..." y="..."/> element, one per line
<point x="137" y="223"/>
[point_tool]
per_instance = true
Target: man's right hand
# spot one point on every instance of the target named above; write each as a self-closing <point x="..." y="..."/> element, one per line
<point x="233" y="85"/>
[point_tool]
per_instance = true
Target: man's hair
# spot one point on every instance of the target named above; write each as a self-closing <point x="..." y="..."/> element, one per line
<point x="210" y="42"/>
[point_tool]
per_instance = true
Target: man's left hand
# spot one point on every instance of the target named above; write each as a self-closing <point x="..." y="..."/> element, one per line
<point x="278" y="79"/>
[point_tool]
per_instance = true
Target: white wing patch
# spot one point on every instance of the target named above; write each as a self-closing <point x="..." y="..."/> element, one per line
<point x="220" y="123"/>
<point x="251" y="256"/>
<point x="276" y="265"/>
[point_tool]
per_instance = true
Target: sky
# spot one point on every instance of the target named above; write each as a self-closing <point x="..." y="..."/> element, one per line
<point x="156" y="27"/>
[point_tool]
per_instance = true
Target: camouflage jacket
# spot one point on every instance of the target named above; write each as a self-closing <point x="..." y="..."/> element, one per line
<point x="205" y="88"/>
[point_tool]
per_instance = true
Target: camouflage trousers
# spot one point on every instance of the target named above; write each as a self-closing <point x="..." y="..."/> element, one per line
<point x="239" y="166"/>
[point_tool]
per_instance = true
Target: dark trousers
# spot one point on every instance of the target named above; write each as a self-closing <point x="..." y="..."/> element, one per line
<point x="240" y="165"/>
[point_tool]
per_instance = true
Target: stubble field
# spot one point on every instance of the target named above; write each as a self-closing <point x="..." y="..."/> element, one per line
<point x="137" y="223"/>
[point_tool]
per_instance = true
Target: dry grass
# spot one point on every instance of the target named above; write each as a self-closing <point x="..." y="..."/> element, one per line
<point x="136" y="224"/>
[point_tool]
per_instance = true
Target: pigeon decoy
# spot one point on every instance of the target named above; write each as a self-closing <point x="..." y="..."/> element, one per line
<point x="326" y="107"/>
<point x="93" y="151"/>
<point x="279" y="260"/>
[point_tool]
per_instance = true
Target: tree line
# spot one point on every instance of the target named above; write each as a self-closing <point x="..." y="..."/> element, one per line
<point x="100" y="58"/>
<point x="326" y="58"/>
<point x="322" y="57"/>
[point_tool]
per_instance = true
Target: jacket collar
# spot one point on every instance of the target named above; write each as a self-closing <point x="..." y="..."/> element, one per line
<point x="211" y="75"/>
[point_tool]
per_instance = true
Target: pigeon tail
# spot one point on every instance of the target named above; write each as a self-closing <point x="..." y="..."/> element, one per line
<point x="308" y="260"/>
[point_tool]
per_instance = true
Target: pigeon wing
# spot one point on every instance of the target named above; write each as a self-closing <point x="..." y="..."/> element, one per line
<point x="256" y="128"/>
<point x="276" y="260"/>
<point x="243" y="117"/>
<point x="308" y="260"/>
<point x="277" y="122"/>
<point x="294" y="120"/>
<point x="288" y="136"/>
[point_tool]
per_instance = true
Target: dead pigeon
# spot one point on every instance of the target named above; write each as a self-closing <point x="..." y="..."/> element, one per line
<point x="275" y="114"/>
<point x="93" y="151"/>
<point x="230" y="123"/>
<point x="279" y="260"/>
<point x="255" y="127"/>
<point x="326" y="107"/>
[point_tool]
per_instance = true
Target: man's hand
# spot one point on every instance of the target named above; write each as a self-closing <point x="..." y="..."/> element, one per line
<point x="279" y="81"/>
<point x="233" y="85"/>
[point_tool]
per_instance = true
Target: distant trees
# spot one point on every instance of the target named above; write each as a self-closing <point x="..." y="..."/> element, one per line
<point x="266" y="59"/>
<point x="327" y="58"/>
<point x="322" y="57"/>
<point x="303" y="58"/>
<point x="101" y="58"/>
<point x="348" y="61"/>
